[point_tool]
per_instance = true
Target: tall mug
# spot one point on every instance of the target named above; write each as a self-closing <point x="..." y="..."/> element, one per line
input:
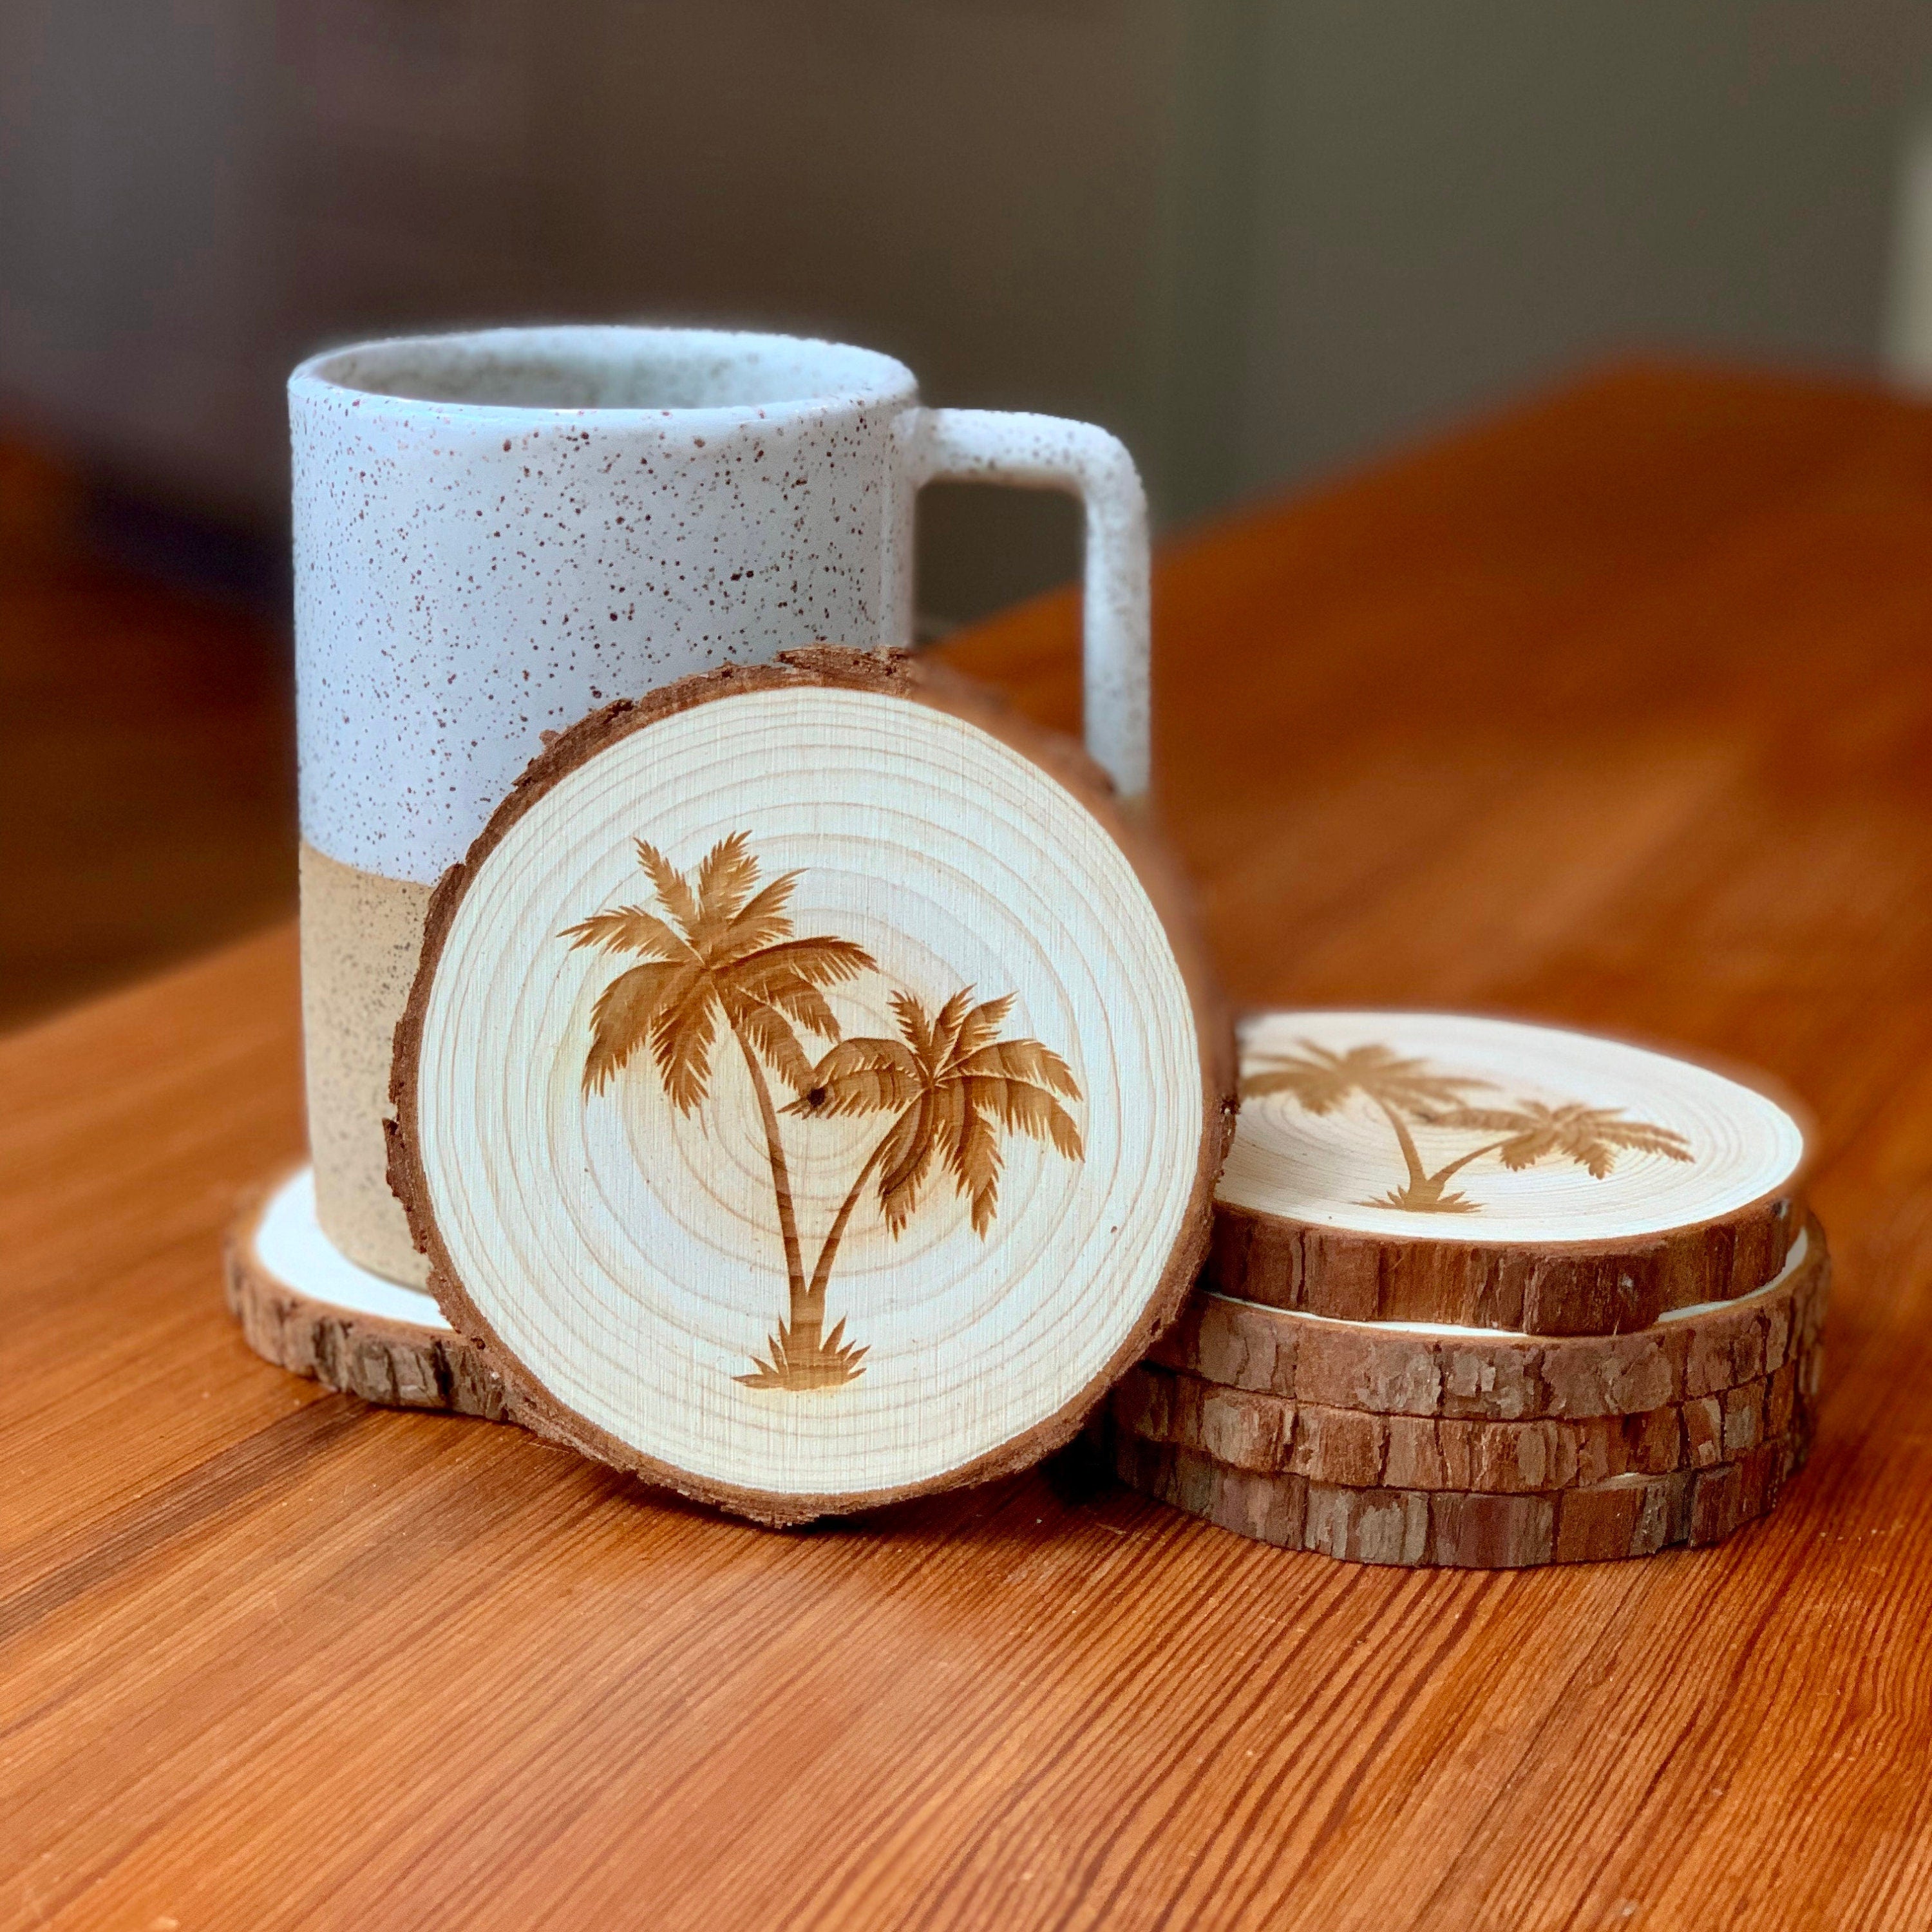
<point x="495" y="532"/>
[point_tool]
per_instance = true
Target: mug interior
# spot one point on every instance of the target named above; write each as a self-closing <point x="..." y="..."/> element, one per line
<point x="611" y="368"/>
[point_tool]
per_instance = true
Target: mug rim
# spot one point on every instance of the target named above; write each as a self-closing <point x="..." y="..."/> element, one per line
<point x="890" y="380"/>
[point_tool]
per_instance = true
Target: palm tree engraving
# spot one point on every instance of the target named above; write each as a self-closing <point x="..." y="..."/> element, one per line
<point x="1406" y="1089"/>
<point x="726" y="952"/>
<point x="952" y="1085"/>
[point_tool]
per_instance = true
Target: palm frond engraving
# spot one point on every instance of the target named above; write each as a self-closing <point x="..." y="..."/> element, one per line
<point x="1591" y="1136"/>
<point x="722" y="950"/>
<point x="1408" y="1093"/>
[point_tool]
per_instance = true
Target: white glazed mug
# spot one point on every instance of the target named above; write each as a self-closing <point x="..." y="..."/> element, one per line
<point x="494" y="533"/>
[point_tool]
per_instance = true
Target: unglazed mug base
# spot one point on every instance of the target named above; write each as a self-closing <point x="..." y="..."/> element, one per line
<point x="361" y="934"/>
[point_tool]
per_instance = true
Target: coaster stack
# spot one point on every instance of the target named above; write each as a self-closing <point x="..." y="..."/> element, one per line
<point x="1487" y="1295"/>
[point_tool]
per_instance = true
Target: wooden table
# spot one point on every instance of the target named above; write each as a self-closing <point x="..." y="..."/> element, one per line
<point x="1619" y="710"/>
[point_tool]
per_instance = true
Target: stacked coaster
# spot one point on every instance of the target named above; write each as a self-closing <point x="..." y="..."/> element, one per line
<point x="1486" y="1294"/>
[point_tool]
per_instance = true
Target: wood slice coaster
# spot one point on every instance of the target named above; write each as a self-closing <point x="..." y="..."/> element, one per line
<point x="348" y="1329"/>
<point x="1440" y="1167"/>
<point x="1628" y="1516"/>
<point x="1491" y="1374"/>
<point x="1245" y="1430"/>
<point x="812" y="1089"/>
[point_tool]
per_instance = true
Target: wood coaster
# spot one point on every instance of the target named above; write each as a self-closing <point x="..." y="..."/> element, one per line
<point x="1442" y="1167"/>
<point x="1628" y="1516"/>
<point x="1423" y="1370"/>
<point x="1247" y="1430"/>
<point x="343" y="1327"/>
<point x="812" y="1089"/>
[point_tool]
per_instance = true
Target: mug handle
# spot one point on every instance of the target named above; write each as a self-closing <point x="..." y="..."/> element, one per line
<point x="1053" y="453"/>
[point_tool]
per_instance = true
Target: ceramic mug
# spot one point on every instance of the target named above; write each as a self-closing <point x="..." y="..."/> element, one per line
<point x="496" y="531"/>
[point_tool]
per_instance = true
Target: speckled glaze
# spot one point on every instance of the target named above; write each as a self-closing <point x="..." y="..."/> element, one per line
<point x="495" y="532"/>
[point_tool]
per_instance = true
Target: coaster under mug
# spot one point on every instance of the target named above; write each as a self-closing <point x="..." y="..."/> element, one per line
<point x="305" y="1306"/>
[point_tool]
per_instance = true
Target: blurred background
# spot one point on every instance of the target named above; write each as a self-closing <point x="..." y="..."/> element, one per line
<point x="1263" y="240"/>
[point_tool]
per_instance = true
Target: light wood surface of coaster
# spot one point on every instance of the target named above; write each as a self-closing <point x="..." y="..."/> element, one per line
<point x="1493" y="1374"/>
<point x="1246" y="1430"/>
<point x="343" y="1326"/>
<point x="1627" y="1515"/>
<point x="813" y="1088"/>
<point x="1443" y="1167"/>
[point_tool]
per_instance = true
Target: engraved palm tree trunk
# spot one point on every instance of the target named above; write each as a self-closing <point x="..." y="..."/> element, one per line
<point x="1423" y="1194"/>
<point x="801" y="1330"/>
<point x="1418" y="1180"/>
<point x="828" y="1252"/>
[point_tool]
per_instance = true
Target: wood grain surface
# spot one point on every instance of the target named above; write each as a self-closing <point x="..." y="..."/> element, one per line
<point x="951" y="863"/>
<point x="1617" y="710"/>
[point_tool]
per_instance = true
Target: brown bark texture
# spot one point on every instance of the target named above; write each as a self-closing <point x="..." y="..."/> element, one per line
<point x="1582" y="1288"/>
<point x="1502" y="1377"/>
<point x="1634" y="1515"/>
<point x="396" y="1363"/>
<point x="1269" y="1435"/>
